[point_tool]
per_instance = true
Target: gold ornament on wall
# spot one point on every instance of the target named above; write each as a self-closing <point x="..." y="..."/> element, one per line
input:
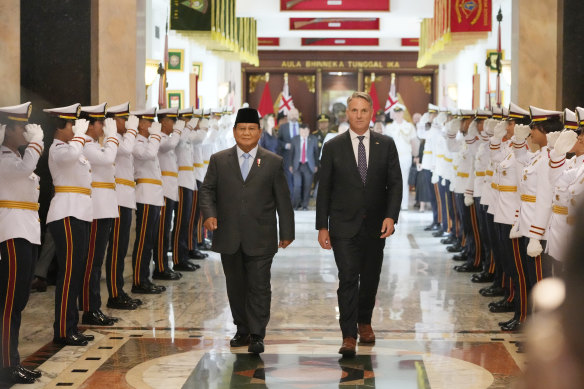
<point x="367" y="80"/>
<point x="426" y="82"/>
<point x="254" y="79"/>
<point x="310" y="82"/>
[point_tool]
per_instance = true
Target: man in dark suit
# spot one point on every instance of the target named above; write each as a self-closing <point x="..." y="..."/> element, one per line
<point x="243" y="189"/>
<point x="304" y="156"/>
<point x="286" y="132"/>
<point x="357" y="206"/>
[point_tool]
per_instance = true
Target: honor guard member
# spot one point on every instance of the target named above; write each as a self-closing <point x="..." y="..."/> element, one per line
<point x="508" y="136"/>
<point x="104" y="209"/>
<point x="565" y="175"/>
<point x="20" y="232"/>
<point x="195" y="223"/>
<point x="170" y="136"/>
<point x="119" y="239"/>
<point x="69" y="218"/>
<point x="425" y="132"/>
<point x="207" y="150"/>
<point x="182" y="240"/>
<point x="127" y="130"/>
<point x="149" y="200"/>
<point x="536" y="191"/>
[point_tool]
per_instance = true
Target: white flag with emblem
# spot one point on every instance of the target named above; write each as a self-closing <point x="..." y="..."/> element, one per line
<point x="392" y="98"/>
<point x="286" y="103"/>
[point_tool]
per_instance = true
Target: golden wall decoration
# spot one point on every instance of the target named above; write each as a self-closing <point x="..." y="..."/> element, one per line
<point x="253" y="80"/>
<point x="426" y="82"/>
<point x="367" y="81"/>
<point x="310" y="82"/>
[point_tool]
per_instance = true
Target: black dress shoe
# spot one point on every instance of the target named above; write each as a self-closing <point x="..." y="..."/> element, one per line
<point x="186" y="266"/>
<point x="88" y="337"/>
<point x="493" y="291"/>
<point x="112" y="318"/>
<point x="95" y="319"/>
<point x="72" y="340"/>
<point x="165" y="275"/>
<point x="449" y="240"/>
<point x="482" y="277"/>
<point x="459" y="257"/>
<point x="515" y="325"/>
<point x="205" y="246"/>
<point x="505" y="307"/>
<point x="162" y="288"/>
<point x="39" y="284"/>
<point x="120" y="303"/>
<point x="32" y="373"/>
<point x="15" y="375"/>
<point x="145" y="289"/>
<point x="438" y="233"/>
<point x="506" y="322"/>
<point x="467" y="268"/>
<point x="256" y="344"/>
<point x="436" y="227"/>
<point x="239" y="340"/>
<point x="455" y="248"/>
<point x="429" y="228"/>
<point x="196" y="254"/>
<point x="499" y="302"/>
<point x="127" y="297"/>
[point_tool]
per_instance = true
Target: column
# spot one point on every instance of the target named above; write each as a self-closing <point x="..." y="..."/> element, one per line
<point x="10" y="52"/>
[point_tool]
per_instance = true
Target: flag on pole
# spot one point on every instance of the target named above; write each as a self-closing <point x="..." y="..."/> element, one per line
<point x="284" y="100"/>
<point x="265" y="106"/>
<point x="374" y="97"/>
<point x="162" y="80"/>
<point x="392" y="98"/>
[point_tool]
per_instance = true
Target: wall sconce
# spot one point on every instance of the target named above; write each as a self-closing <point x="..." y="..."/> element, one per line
<point x="150" y="73"/>
<point x="453" y="92"/>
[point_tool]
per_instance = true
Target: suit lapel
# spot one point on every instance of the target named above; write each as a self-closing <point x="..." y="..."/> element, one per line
<point x="256" y="164"/>
<point x="234" y="162"/>
<point x="373" y="152"/>
<point x="348" y="150"/>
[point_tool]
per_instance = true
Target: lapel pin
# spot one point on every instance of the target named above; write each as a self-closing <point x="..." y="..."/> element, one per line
<point x="376" y="143"/>
<point x="259" y="162"/>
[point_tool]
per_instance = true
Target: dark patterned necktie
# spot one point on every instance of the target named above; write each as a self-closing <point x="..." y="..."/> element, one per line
<point x="362" y="159"/>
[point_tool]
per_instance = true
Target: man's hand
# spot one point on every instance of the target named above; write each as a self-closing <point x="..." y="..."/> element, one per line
<point x="291" y="169"/>
<point x="387" y="228"/>
<point x="288" y="146"/>
<point x="324" y="239"/>
<point x="211" y="224"/>
<point x="315" y="169"/>
<point x="284" y="243"/>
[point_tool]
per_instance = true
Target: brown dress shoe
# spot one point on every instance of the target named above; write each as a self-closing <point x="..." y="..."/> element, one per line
<point x="348" y="347"/>
<point x="366" y="334"/>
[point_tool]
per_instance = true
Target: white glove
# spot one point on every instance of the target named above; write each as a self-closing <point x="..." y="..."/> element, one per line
<point x="192" y="124"/>
<point x="441" y="118"/>
<point x="490" y="125"/>
<point x="80" y="127"/>
<point x="110" y="128"/>
<point x="34" y="133"/>
<point x="552" y="137"/>
<point x="473" y="130"/>
<point x="155" y="128"/>
<point x="132" y="123"/>
<point x="179" y="125"/>
<point x="500" y="130"/>
<point x="425" y="118"/>
<point x="2" y="129"/>
<point x="565" y="142"/>
<point x="434" y="179"/>
<point x="534" y="248"/>
<point x="444" y="182"/>
<point x="451" y="186"/>
<point x="468" y="200"/>
<point x="454" y="126"/>
<point x="521" y="132"/>
<point x="204" y="124"/>
<point x="514" y="233"/>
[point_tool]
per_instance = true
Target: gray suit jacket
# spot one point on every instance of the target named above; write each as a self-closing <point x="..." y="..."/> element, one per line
<point x="246" y="211"/>
<point x="311" y="152"/>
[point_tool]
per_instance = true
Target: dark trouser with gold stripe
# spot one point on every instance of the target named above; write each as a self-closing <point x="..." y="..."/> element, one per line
<point x="71" y="237"/>
<point x="495" y="249"/>
<point x="90" y="299"/>
<point x="119" y="240"/>
<point x="147" y="219"/>
<point x="163" y="236"/>
<point x="539" y="267"/>
<point x="182" y="239"/>
<point x="485" y="243"/>
<point x="443" y="189"/>
<point x="471" y="231"/>
<point x="514" y="264"/>
<point x="16" y="272"/>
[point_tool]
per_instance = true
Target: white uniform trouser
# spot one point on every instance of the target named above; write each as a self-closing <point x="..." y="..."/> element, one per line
<point x="405" y="163"/>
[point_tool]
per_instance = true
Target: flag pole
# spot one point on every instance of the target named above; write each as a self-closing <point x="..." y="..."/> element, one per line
<point x="499" y="20"/>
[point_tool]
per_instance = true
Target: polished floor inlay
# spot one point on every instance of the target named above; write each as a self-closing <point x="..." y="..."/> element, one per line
<point x="433" y="329"/>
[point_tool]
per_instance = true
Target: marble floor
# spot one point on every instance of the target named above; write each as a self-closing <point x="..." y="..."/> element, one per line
<point x="433" y="329"/>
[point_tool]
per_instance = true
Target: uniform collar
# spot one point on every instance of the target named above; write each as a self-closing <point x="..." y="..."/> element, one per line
<point x="252" y="152"/>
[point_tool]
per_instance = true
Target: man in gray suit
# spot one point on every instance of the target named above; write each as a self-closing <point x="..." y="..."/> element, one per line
<point x="286" y="132"/>
<point x="303" y="165"/>
<point x="243" y="190"/>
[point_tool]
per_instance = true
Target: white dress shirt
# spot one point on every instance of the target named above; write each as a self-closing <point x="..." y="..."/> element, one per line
<point x="355" y="143"/>
<point x="240" y="157"/>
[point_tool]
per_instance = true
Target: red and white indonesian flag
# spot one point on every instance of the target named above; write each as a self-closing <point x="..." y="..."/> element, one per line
<point x="286" y="103"/>
<point x="392" y="98"/>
